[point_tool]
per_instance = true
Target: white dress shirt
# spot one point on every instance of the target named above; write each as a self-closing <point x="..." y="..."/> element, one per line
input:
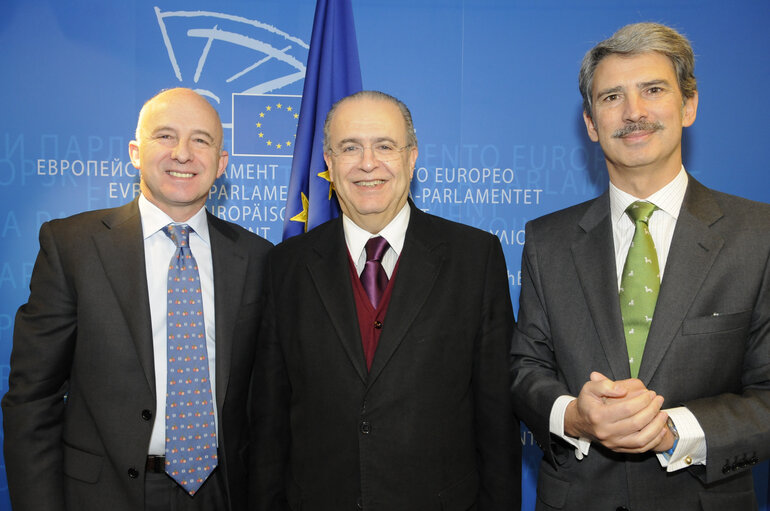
<point x="691" y="447"/>
<point x="158" y="250"/>
<point x="395" y="232"/>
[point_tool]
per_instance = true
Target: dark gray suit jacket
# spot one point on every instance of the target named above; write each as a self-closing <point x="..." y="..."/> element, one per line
<point x="85" y="334"/>
<point x="708" y="349"/>
<point x="431" y="426"/>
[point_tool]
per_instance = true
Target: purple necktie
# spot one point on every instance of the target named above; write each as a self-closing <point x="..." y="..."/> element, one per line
<point x="374" y="278"/>
<point x="191" y="440"/>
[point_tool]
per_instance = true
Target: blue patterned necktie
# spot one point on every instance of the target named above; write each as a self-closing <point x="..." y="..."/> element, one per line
<point x="639" y="285"/>
<point x="191" y="441"/>
<point x="374" y="278"/>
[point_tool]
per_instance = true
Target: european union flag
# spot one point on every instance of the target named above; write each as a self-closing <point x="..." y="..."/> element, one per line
<point x="333" y="72"/>
<point x="264" y="124"/>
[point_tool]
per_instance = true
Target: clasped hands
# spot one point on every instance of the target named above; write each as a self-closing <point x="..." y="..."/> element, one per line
<point x="623" y="415"/>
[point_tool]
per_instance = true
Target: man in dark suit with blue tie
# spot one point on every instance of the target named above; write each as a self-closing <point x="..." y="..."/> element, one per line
<point x="384" y="360"/>
<point x="641" y="358"/>
<point x="140" y="328"/>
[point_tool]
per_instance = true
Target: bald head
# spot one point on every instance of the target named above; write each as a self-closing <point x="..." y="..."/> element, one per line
<point x="178" y="151"/>
<point x="181" y="96"/>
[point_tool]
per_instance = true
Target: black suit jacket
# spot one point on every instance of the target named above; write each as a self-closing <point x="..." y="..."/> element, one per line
<point x="85" y="334"/>
<point x="708" y="349"/>
<point x="431" y="425"/>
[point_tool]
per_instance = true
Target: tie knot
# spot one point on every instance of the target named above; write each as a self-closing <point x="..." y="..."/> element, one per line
<point x="179" y="234"/>
<point x="641" y="211"/>
<point x="376" y="248"/>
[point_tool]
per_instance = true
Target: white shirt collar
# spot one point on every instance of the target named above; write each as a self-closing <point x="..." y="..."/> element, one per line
<point x="668" y="199"/>
<point x="395" y="232"/>
<point x="154" y="219"/>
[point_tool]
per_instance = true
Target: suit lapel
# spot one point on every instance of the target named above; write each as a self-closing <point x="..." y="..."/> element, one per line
<point x="418" y="269"/>
<point x="121" y="250"/>
<point x="594" y="257"/>
<point x="230" y="262"/>
<point x="693" y="251"/>
<point x="330" y="274"/>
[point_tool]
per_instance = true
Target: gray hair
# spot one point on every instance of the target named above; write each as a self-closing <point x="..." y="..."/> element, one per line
<point x="636" y="39"/>
<point x="411" y="137"/>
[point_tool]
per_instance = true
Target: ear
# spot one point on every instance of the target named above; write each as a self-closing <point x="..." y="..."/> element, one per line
<point x="412" y="160"/>
<point x="690" y="110"/>
<point x="328" y="160"/>
<point x="133" y="153"/>
<point x="590" y="127"/>
<point x="222" y="163"/>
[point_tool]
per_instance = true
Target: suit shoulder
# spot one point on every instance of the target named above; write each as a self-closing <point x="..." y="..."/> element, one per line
<point x="241" y="236"/>
<point x="84" y="216"/>
<point x="745" y="212"/>
<point x="86" y="221"/>
<point x="298" y="244"/>
<point x="563" y="218"/>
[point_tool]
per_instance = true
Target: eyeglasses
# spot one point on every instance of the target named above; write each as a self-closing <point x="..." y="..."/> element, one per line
<point x="383" y="151"/>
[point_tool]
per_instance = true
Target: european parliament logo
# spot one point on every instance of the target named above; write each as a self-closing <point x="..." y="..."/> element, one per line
<point x="220" y="55"/>
<point x="265" y="124"/>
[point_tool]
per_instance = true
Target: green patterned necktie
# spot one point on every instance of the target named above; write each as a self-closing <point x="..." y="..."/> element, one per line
<point x="639" y="284"/>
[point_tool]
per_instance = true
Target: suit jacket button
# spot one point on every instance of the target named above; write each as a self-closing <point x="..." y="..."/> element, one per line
<point x="133" y="473"/>
<point x="146" y="415"/>
<point x="726" y="468"/>
<point x="359" y="504"/>
<point x="622" y="508"/>
<point x="366" y="428"/>
<point x="378" y="324"/>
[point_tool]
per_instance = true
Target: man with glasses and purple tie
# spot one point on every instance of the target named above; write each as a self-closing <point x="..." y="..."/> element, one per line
<point x="133" y="359"/>
<point x="647" y="387"/>
<point x="383" y="361"/>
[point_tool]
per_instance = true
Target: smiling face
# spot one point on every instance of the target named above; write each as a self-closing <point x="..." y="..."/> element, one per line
<point x="371" y="192"/>
<point x="637" y="118"/>
<point x="178" y="152"/>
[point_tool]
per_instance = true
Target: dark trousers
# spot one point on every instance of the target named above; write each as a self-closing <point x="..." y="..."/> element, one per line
<point x="164" y="494"/>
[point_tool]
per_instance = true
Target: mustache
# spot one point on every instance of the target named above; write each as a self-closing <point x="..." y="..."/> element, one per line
<point x="633" y="127"/>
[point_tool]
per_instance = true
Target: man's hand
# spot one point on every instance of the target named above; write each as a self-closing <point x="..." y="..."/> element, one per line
<point x="624" y="416"/>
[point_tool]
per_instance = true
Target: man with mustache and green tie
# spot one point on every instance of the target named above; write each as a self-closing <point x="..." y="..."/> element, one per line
<point x="641" y="357"/>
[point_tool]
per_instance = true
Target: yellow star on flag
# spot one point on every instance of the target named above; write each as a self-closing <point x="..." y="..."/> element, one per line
<point x="325" y="175"/>
<point x="302" y="215"/>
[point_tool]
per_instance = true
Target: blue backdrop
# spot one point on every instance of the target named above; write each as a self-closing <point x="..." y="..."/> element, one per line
<point x="492" y="85"/>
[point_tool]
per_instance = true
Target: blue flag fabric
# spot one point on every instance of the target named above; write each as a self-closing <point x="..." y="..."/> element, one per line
<point x="333" y="72"/>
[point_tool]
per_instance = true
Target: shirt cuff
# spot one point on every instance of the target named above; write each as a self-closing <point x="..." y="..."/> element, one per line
<point x="556" y="426"/>
<point x="691" y="447"/>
